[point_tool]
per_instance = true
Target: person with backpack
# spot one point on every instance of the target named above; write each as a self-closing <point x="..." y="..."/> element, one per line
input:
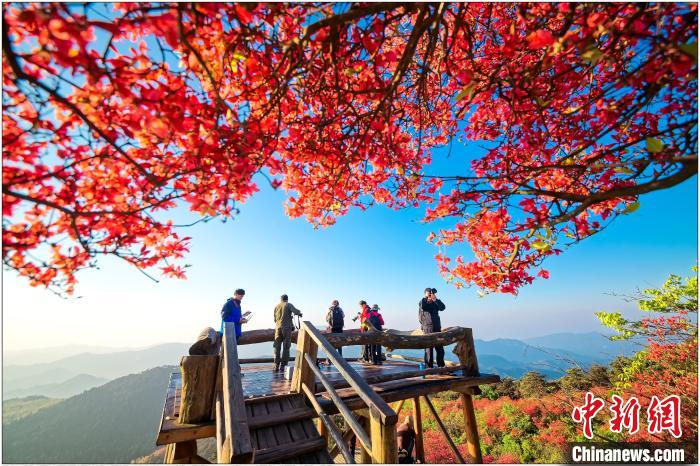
<point x="363" y="315"/>
<point x="336" y="321"/>
<point x="284" y="326"/>
<point x="377" y="321"/>
<point x="429" y="317"/>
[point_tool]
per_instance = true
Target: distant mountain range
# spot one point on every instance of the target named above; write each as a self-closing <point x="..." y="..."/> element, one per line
<point x="549" y="354"/>
<point x="39" y="355"/>
<point x="114" y="423"/>
<point x="65" y="389"/>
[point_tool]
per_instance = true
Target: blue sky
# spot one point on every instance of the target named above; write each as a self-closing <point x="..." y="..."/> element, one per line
<point x="378" y="255"/>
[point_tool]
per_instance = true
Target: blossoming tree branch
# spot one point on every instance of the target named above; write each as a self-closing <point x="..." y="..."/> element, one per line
<point x="113" y="115"/>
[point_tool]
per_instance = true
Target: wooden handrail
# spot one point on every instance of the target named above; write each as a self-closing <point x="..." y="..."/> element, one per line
<point x="235" y="446"/>
<point x="374" y="402"/>
<point x="330" y="425"/>
<point x="400" y="375"/>
<point x="342" y="408"/>
<point x="390" y="338"/>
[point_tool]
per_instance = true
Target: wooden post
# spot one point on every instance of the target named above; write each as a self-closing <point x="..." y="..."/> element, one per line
<point x="220" y="427"/>
<point x="302" y="371"/>
<point x="237" y="447"/>
<point x="383" y="440"/>
<point x="399" y="406"/>
<point x="181" y="452"/>
<point x="473" y="445"/>
<point x="418" y="427"/>
<point x="198" y="384"/>
<point x="464" y="349"/>
<point x="365" y="457"/>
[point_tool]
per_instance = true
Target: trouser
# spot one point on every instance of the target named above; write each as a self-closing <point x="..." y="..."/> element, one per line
<point x="375" y="352"/>
<point x="439" y="350"/>
<point x="340" y="349"/>
<point x="367" y="353"/>
<point x="283" y="336"/>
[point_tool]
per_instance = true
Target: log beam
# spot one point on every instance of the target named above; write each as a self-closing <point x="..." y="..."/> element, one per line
<point x="365" y="456"/>
<point x="473" y="444"/>
<point x="198" y="384"/>
<point x="388" y="338"/>
<point x="383" y="440"/>
<point x="418" y="427"/>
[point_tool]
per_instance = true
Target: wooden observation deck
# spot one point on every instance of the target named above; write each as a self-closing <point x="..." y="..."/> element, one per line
<point x="258" y="416"/>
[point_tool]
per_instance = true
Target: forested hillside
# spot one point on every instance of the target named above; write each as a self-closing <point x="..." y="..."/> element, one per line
<point x="114" y="423"/>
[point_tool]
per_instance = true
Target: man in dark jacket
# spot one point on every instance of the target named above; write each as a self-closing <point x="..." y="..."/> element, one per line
<point x="428" y="314"/>
<point x="336" y="321"/>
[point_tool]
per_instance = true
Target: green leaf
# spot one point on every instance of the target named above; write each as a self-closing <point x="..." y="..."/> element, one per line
<point x="540" y="245"/>
<point x="592" y="55"/>
<point x="631" y="208"/>
<point x="625" y="170"/>
<point x="690" y="49"/>
<point x="654" y="145"/>
<point x="466" y="92"/>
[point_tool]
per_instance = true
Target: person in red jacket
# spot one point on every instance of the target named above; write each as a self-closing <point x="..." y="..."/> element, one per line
<point x="363" y="315"/>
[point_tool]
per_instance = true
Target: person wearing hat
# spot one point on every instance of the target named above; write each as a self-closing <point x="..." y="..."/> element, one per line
<point x="283" y="330"/>
<point x="377" y="321"/>
<point x="429" y="317"/>
<point x="363" y="315"/>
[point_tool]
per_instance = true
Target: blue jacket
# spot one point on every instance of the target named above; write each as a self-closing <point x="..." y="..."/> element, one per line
<point x="231" y="312"/>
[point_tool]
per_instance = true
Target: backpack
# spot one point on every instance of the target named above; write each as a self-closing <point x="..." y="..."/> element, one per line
<point x="375" y="320"/>
<point x="336" y="318"/>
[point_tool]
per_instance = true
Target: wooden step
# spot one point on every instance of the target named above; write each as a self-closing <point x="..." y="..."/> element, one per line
<point x="290" y="415"/>
<point x="288" y="451"/>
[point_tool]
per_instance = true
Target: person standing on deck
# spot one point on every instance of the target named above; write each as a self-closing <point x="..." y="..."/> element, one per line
<point x="336" y="321"/>
<point x="283" y="330"/>
<point x="377" y="321"/>
<point x="231" y="312"/>
<point x="429" y="317"/>
<point x="363" y="315"/>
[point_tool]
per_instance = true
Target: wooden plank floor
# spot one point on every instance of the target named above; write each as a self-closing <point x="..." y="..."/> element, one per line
<point x="261" y="380"/>
<point x="266" y="395"/>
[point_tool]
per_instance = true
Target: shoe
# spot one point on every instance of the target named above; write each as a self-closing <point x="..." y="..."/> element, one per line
<point x="282" y="366"/>
<point x="277" y="368"/>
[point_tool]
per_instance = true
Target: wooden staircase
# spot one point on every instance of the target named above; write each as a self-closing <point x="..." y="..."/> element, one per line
<point x="282" y="431"/>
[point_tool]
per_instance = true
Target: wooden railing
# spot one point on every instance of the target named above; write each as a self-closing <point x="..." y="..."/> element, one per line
<point x="380" y="445"/>
<point x="232" y="432"/>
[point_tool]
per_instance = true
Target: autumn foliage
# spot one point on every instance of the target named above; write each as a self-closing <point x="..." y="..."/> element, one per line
<point x="530" y="420"/>
<point x="114" y="115"/>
